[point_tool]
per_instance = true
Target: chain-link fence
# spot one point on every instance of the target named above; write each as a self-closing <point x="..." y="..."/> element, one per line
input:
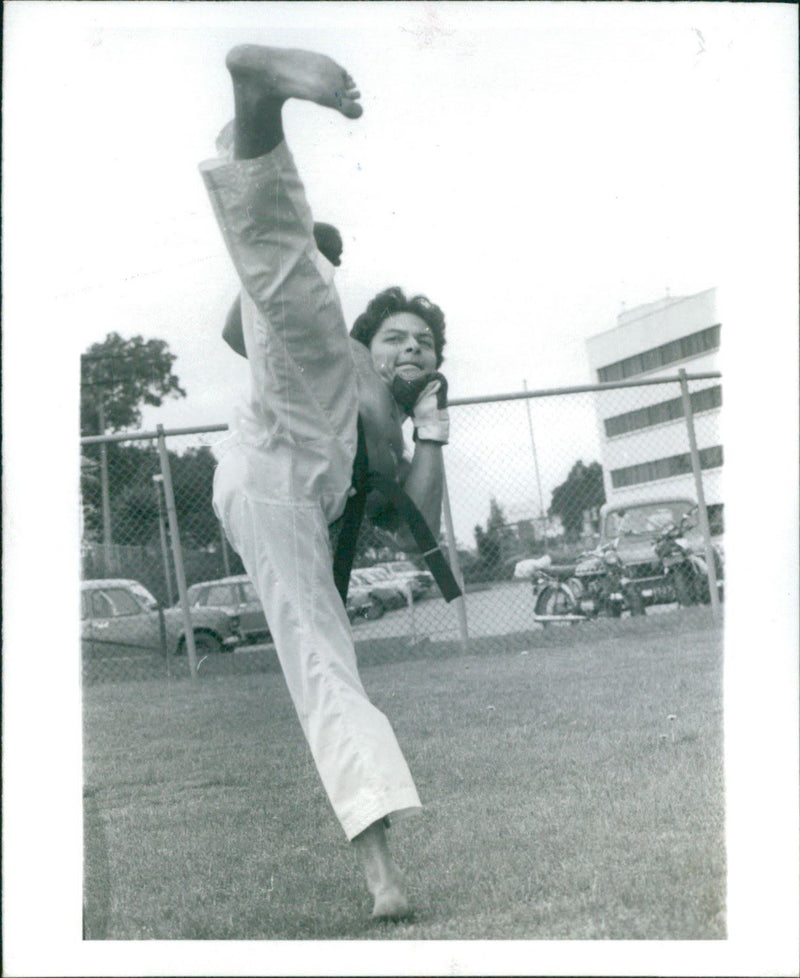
<point x="555" y="505"/>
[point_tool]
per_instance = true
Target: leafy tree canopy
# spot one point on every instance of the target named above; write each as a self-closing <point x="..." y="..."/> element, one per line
<point x="497" y="542"/>
<point x="121" y="375"/>
<point x="583" y="489"/>
<point x="134" y="498"/>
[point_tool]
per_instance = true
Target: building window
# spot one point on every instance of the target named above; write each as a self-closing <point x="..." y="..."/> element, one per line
<point x="665" y="468"/>
<point x="659" y="356"/>
<point x="653" y="414"/>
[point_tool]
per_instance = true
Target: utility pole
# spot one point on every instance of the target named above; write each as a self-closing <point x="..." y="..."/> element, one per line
<point x="533" y="451"/>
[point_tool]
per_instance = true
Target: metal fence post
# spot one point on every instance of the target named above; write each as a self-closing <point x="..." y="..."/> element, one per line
<point x="705" y="529"/>
<point x="105" y="495"/>
<point x="455" y="566"/>
<point x="177" y="555"/>
<point x="223" y="541"/>
<point x="158" y="481"/>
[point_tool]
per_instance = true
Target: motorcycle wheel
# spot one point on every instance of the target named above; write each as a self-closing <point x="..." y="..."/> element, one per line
<point x="682" y="586"/>
<point x="555" y="601"/>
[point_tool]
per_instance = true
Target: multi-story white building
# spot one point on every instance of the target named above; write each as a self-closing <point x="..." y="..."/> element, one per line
<point x="642" y="430"/>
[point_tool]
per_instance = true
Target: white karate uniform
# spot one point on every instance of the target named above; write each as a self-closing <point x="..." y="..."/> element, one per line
<point x="284" y="474"/>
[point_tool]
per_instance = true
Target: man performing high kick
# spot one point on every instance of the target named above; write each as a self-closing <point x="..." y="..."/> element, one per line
<point x="285" y="474"/>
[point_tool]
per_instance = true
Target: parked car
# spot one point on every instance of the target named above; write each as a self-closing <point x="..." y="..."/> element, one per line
<point x="361" y="603"/>
<point x="237" y="598"/>
<point x="404" y="572"/>
<point x="635" y="528"/>
<point x="121" y="617"/>
<point x="380" y="587"/>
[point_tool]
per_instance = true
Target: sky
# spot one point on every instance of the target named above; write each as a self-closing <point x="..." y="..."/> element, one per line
<point x="532" y="167"/>
<point x="531" y="171"/>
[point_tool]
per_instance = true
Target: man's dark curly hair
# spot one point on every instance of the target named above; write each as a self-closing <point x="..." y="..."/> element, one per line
<point x="391" y="301"/>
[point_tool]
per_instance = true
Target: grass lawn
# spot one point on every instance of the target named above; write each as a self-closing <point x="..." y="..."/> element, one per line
<point x="561" y="800"/>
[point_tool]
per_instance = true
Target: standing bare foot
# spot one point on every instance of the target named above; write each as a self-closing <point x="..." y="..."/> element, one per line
<point x="383" y="878"/>
<point x="390" y="904"/>
<point x="283" y="73"/>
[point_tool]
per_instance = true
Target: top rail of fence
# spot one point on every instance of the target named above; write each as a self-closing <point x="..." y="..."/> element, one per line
<point x="580" y="389"/>
<point x="454" y="402"/>
<point x="151" y="435"/>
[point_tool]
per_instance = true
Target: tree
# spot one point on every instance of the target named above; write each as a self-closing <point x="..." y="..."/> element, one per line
<point x="193" y="482"/>
<point x="118" y="376"/>
<point x="582" y="490"/>
<point x="496" y="543"/>
<point x="134" y="497"/>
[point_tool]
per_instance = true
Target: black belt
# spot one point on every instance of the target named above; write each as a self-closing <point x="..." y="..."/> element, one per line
<point x="365" y="482"/>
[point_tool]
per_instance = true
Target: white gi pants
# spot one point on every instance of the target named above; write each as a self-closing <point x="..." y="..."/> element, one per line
<point x="285" y="473"/>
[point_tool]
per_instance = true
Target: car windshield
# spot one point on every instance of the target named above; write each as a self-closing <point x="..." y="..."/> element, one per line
<point x="403" y="567"/>
<point x="141" y="592"/>
<point x="220" y="596"/>
<point x="377" y="574"/>
<point x="113" y="602"/>
<point x="644" y="521"/>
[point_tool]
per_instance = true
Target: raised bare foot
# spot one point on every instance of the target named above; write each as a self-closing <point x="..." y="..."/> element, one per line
<point x="283" y="73"/>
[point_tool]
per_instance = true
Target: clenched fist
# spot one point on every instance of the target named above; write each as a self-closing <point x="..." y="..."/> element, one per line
<point x="424" y="399"/>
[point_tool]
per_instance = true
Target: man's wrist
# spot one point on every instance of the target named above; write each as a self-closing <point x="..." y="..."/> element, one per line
<point x="432" y="432"/>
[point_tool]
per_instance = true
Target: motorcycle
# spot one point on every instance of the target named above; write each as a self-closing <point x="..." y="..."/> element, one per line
<point x="685" y="570"/>
<point x="596" y="586"/>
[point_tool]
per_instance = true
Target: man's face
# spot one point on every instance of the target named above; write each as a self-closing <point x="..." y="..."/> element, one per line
<point x="404" y="346"/>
